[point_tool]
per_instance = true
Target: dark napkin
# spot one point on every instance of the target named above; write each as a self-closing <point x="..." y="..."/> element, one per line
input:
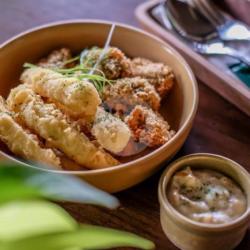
<point x="242" y="71"/>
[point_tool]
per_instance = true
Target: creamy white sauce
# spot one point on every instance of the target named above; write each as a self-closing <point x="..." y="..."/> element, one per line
<point x="206" y="196"/>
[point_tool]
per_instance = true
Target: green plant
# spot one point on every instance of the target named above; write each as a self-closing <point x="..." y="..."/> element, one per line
<point x="29" y="221"/>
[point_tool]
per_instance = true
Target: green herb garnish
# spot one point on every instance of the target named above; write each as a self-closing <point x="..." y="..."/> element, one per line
<point x="79" y="71"/>
<point x="71" y="60"/>
<point x="29" y="65"/>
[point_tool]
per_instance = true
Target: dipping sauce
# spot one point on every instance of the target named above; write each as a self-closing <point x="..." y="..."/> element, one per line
<point x="206" y="196"/>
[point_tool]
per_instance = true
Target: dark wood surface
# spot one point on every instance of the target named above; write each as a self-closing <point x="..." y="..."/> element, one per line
<point x="218" y="128"/>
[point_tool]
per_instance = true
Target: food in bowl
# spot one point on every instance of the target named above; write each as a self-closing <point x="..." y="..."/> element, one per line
<point x="207" y="196"/>
<point x="89" y="110"/>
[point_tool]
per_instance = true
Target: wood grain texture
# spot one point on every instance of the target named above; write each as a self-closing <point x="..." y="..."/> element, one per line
<point x="218" y="128"/>
<point x="240" y="11"/>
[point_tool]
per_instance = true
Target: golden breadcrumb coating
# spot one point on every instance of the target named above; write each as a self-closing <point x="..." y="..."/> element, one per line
<point x="113" y="64"/>
<point x="52" y="125"/>
<point x="22" y="142"/>
<point x="126" y="93"/>
<point x="148" y="127"/>
<point x="116" y="65"/>
<point x="56" y="59"/>
<point x="78" y="98"/>
<point x="158" y="74"/>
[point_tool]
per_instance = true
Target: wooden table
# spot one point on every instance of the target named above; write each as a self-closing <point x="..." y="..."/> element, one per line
<point x="218" y="128"/>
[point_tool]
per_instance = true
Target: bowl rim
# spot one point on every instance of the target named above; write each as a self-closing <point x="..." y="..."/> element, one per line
<point x="192" y="223"/>
<point x="155" y="152"/>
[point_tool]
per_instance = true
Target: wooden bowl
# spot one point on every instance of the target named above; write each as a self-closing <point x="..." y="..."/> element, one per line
<point x="179" y="109"/>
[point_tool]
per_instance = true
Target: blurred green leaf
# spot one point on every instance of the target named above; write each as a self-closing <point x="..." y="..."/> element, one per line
<point x="29" y="218"/>
<point x="39" y="225"/>
<point x="12" y="189"/>
<point x="85" y="237"/>
<point x="18" y="182"/>
<point x="43" y="225"/>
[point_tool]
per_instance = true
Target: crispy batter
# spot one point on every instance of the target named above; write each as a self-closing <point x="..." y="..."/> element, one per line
<point x="158" y="74"/>
<point x="66" y="163"/>
<point x="126" y="93"/>
<point x="52" y="125"/>
<point x="56" y="58"/>
<point x="110" y="131"/>
<point x="78" y="98"/>
<point x="113" y="64"/>
<point x="22" y="142"/>
<point x="148" y="127"/>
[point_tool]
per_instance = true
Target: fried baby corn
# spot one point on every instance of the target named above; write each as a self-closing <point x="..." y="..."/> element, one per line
<point x="126" y="93"/>
<point x="77" y="97"/>
<point x="148" y="127"/>
<point x="21" y="142"/>
<point x="47" y="84"/>
<point x="51" y="124"/>
<point x="158" y="74"/>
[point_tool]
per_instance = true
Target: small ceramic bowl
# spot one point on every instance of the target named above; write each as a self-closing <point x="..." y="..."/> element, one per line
<point x="179" y="108"/>
<point x="191" y="235"/>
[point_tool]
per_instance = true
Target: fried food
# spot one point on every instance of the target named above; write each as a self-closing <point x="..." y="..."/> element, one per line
<point x="116" y="65"/>
<point x="158" y="74"/>
<point x="126" y="93"/>
<point x="79" y="108"/>
<point x="56" y="59"/>
<point x="52" y="125"/>
<point x="148" y="127"/>
<point x="110" y="131"/>
<point x="112" y="65"/>
<point x="21" y="142"/>
<point x="77" y="97"/>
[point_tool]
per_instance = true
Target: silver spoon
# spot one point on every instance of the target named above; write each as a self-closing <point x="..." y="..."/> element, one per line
<point x="213" y="48"/>
<point x="228" y="29"/>
<point x="188" y="21"/>
<point x="218" y="48"/>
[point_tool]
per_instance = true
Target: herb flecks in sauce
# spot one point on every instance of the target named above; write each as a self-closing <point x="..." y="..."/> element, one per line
<point x="206" y="196"/>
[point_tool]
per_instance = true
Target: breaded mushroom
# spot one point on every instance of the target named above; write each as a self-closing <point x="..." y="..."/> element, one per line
<point x="158" y="74"/>
<point x="126" y="93"/>
<point x="52" y="125"/>
<point x="56" y="59"/>
<point x="22" y="142"/>
<point x="148" y="127"/>
<point x="113" y="64"/>
<point x="78" y="98"/>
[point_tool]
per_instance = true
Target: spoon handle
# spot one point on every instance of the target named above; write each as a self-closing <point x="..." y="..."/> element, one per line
<point x="241" y="58"/>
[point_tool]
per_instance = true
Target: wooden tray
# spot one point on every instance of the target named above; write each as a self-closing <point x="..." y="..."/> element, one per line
<point x="223" y="83"/>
